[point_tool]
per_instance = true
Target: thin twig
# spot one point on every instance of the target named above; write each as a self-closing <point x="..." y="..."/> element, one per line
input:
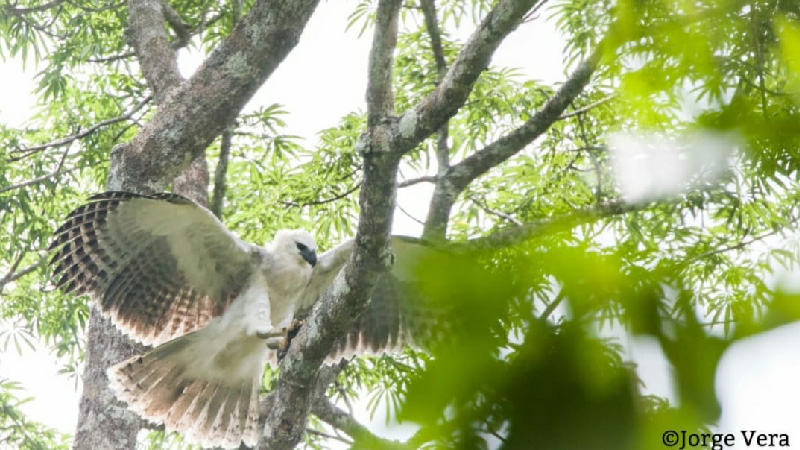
<point x="11" y="270"/>
<point x="552" y="306"/>
<point x="54" y="173"/>
<point x="413" y="181"/>
<point x="587" y="107"/>
<point x="13" y="10"/>
<point x="329" y="436"/>
<point x="740" y="245"/>
<point x="409" y="215"/>
<point x="494" y="212"/>
<point x="322" y="202"/>
<point x="345" y="398"/>
<point x="12" y="276"/>
<point x="66" y="140"/>
<point x="113" y="58"/>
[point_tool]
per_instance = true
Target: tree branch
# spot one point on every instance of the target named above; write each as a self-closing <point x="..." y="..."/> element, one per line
<point x="221" y="172"/>
<point x="54" y="173"/>
<point x="515" y="234"/>
<point x="413" y="181"/>
<point x="192" y="182"/>
<point x="495" y="212"/>
<point x="497" y="152"/>
<point x="323" y="201"/>
<point x="13" y="274"/>
<point x="14" y="11"/>
<point x="329" y="436"/>
<point x="159" y="63"/>
<point x="432" y="26"/>
<point x="195" y="113"/>
<point x="175" y="21"/>
<point x="66" y="140"/>
<point x="437" y="107"/>
<point x="587" y="107"/>
<point x="380" y="100"/>
<point x="341" y="420"/>
<point x="150" y="41"/>
<point x="203" y="106"/>
<point x="346" y="298"/>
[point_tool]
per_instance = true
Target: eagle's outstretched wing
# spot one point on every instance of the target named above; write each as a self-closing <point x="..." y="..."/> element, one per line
<point x="159" y="266"/>
<point x="396" y="313"/>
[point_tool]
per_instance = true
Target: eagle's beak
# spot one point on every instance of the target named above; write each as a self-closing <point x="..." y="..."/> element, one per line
<point x="310" y="256"/>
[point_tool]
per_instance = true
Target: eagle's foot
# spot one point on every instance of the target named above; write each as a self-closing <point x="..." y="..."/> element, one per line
<point x="271" y="334"/>
<point x="288" y="333"/>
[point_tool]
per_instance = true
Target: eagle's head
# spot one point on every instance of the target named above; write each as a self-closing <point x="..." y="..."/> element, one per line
<point x="298" y="243"/>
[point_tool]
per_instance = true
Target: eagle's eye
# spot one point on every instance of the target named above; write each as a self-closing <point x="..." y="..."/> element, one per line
<point x="301" y="247"/>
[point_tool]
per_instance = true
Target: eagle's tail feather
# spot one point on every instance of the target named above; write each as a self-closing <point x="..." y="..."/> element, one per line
<point x="216" y="412"/>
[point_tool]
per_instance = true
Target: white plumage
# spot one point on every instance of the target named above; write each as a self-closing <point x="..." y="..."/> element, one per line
<point x="169" y="274"/>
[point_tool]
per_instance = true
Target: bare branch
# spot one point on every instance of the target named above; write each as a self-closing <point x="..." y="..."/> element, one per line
<point x="497" y="152"/>
<point x="14" y="11"/>
<point x="149" y="38"/>
<point x="54" y="173"/>
<point x="515" y="234"/>
<point x="14" y="274"/>
<point x="552" y="306"/>
<point x="413" y="181"/>
<point x="329" y="436"/>
<point x="324" y="201"/>
<point x="175" y="21"/>
<point x="450" y="94"/>
<point x="495" y="212"/>
<point x="587" y="107"/>
<point x="112" y="58"/>
<point x="7" y="277"/>
<point x="432" y="26"/>
<point x="408" y="214"/>
<point x="380" y="101"/>
<point x="437" y="107"/>
<point x="341" y="420"/>
<point x="80" y="135"/>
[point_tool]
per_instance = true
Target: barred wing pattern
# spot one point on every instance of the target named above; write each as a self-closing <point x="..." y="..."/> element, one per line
<point x="159" y="266"/>
<point x="397" y="314"/>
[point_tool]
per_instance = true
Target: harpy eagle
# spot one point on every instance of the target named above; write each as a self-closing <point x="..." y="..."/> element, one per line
<point x="169" y="274"/>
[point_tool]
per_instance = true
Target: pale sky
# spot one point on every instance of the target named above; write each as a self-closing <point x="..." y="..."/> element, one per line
<point x="324" y="79"/>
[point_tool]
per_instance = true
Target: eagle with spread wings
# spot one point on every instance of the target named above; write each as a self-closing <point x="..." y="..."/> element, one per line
<point x="169" y="274"/>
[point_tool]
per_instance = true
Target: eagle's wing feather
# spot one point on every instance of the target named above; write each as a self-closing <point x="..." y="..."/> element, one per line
<point x="160" y="266"/>
<point x="397" y="313"/>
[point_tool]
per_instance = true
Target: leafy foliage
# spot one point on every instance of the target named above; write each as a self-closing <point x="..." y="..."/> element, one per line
<point x="16" y="430"/>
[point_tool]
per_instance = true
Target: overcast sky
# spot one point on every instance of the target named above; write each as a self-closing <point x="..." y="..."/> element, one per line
<point x="324" y="79"/>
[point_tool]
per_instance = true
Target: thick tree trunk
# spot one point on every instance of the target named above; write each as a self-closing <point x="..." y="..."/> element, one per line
<point x="103" y="421"/>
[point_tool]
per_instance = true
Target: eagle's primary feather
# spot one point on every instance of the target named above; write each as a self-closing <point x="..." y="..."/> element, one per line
<point x="169" y="274"/>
